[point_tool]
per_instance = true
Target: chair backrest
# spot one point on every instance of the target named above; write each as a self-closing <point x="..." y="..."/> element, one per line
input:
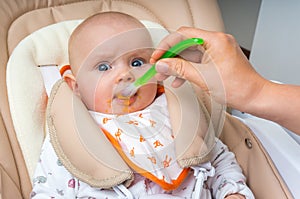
<point x="20" y="19"/>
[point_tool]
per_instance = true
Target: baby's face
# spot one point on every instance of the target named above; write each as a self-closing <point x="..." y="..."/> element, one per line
<point x="111" y="66"/>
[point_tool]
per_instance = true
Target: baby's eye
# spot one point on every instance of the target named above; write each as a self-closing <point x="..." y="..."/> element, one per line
<point x="137" y="62"/>
<point x="103" y="67"/>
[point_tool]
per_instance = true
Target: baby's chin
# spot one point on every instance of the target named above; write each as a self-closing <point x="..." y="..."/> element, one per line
<point x="121" y="108"/>
<point x="134" y="103"/>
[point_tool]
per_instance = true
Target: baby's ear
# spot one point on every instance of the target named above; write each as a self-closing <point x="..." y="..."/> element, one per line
<point x="71" y="81"/>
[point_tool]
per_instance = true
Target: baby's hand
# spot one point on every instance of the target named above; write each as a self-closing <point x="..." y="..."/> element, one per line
<point x="235" y="196"/>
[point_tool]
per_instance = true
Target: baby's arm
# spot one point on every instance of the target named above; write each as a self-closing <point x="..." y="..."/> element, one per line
<point x="51" y="179"/>
<point x="228" y="181"/>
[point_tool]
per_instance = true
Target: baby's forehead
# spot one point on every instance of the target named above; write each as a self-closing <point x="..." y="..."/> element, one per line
<point x="112" y="40"/>
<point x="107" y="34"/>
<point x="114" y="54"/>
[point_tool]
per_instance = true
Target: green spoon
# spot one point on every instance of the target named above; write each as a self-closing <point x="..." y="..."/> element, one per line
<point x="172" y="52"/>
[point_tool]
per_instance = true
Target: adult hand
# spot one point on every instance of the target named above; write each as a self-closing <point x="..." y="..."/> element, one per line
<point x="223" y="69"/>
<point x="226" y="74"/>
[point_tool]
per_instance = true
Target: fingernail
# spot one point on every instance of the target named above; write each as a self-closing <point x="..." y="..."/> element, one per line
<point x="162" y="67"/>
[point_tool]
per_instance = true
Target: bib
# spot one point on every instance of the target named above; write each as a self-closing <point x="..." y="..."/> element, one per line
<point x="145" y="141"/>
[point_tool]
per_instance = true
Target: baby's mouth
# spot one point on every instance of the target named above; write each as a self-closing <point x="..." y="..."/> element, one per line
<point x="126" y="100"/>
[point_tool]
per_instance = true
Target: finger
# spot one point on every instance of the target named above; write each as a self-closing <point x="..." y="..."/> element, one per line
<point x="177" y="82"/>
<point x="161" y="77"/>
<point x="164" y="68"/>
<point x="177" y="67"/>
<point x="193" y="55"/>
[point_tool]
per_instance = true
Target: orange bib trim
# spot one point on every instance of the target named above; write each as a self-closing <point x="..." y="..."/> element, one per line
<point x="166" y="186"/>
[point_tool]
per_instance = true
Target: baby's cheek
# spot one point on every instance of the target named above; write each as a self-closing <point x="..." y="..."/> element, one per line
<point x="102" y="104"/>
<point x="107" y="106"/>
<point x="147" y="97"/>
<point x="102" y="98"/>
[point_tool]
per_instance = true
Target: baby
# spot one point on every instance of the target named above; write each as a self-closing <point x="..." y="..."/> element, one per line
<point x="107" y="52"/>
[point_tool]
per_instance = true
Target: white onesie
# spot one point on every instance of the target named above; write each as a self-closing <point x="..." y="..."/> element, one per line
<point x="215" y="179"/>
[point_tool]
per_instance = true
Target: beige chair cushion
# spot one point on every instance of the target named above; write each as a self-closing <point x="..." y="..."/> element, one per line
<point x="21" y="18"/>
<point x="25" y="86"/>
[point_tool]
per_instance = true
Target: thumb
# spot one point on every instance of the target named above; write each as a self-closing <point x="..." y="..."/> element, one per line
<point x="179" y="68"/>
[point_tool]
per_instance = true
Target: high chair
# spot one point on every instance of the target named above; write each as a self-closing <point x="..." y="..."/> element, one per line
<point x="35" y="33"/>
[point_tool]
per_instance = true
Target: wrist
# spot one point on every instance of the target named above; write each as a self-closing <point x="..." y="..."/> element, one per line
<point x="248" y="95"/>
<point x="264" y="100"/>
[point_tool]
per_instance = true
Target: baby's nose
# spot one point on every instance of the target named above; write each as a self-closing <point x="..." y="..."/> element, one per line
<point x="127" y="77"/>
